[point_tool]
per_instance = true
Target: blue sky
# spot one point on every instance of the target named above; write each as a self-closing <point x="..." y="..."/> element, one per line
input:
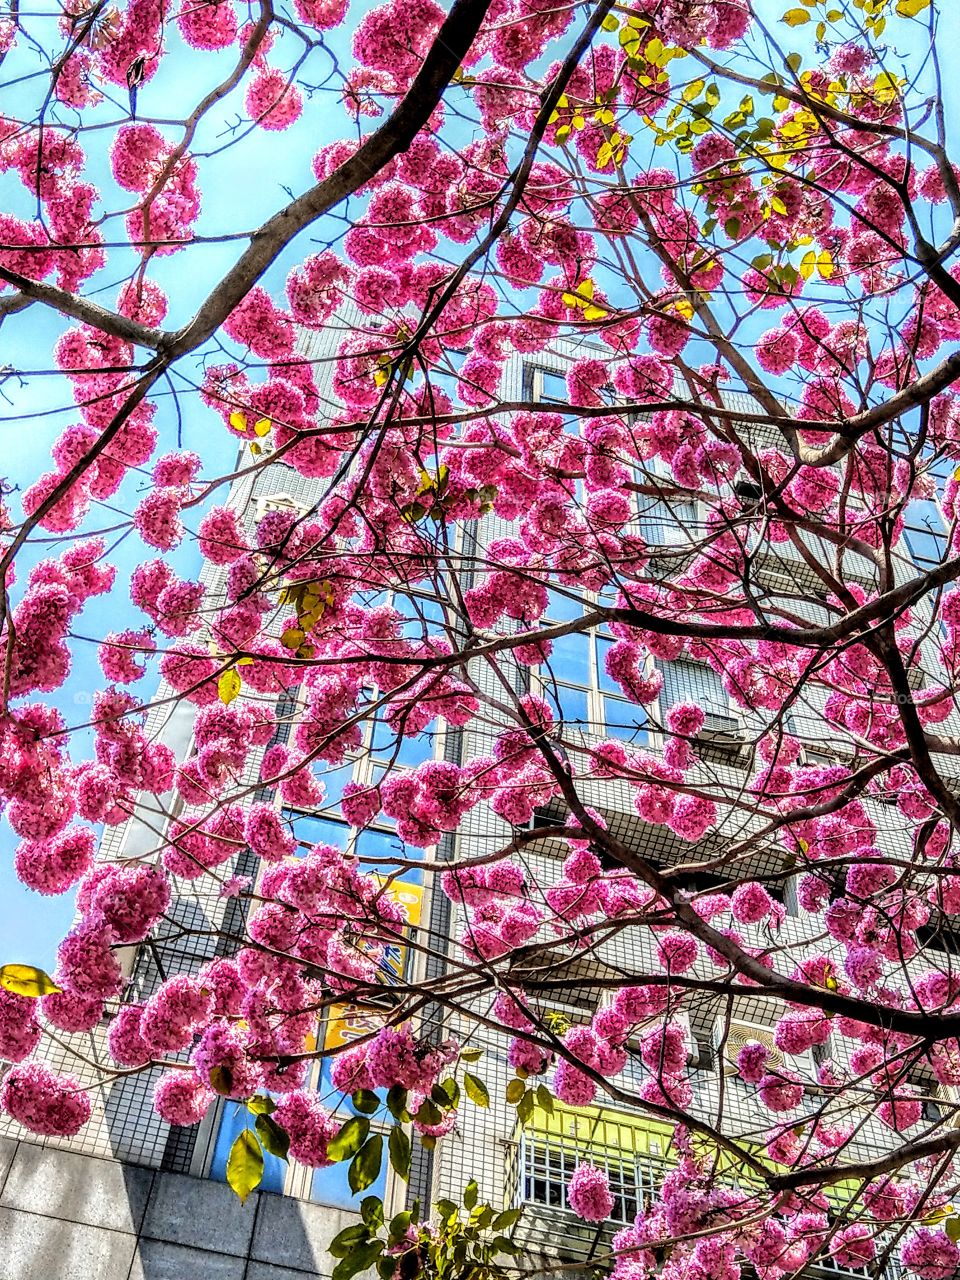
<point x="241" y="187"/>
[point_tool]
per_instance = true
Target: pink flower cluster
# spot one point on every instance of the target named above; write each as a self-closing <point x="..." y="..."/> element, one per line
<point x="589" y="1195"/>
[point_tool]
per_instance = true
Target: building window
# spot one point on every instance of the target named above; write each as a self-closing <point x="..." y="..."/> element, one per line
<point x="547" y="1169"/>
<point x="671" y="519"/>
<point x="577" y="686"/>
<point x="546" y="385"/>
<point x="685" y="681"/>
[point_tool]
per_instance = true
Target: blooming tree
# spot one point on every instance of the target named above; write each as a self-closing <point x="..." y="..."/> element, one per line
<point x="738" y="226"/>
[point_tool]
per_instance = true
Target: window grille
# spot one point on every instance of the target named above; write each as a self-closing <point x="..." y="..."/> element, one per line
<point x="547" y="1170"/>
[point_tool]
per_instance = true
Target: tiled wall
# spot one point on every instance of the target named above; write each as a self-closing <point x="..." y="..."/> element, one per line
<point x="66" y="1216"/>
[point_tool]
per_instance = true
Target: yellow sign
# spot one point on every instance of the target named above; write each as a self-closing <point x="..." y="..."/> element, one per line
<point x="345" y="1022"/>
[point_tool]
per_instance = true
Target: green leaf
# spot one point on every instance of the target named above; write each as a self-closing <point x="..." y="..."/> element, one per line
<point x="272" y="1137"/>
<point x="366" y="1101"/>
<point x="221" y="1080"/>
<point x="350" y="1139"/>
<point x="245" y="1165"/>
<point x="794" y="61"/>
<point x="400" y="1152"/>
<point x="261" y="1105"/>
<point x="471" y="1055"/>
<point x="446" y="1094"/>
<point x="429" y="1113"/>
<point x="476" y="1090"/>
<point x="503" y="1244"/>
<point x="470" y="1194"/>
<point x="545" y="1099"/>
<point x="952" y="1228"/>
<point x="397" y="1102"/>
<point x="25" y="980"/>
<point x="515" y="1091"/>
<point x="359" y="1260"/>
<point x="525" y="1106"/>
<point x="448" y="1209"/>
<point x="509" y="1218"/>
<point x="398" y="1226"/>
<point x="365" y="1165"/>
<point x="348" y="1239"/>
<point x="371" y="1211"/>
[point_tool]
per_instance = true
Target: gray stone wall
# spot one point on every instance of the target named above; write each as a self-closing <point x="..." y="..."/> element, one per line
<point x="68" y="1216"/>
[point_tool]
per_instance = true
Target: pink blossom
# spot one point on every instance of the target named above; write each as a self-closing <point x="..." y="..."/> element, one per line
<point x="781" y="1092"/>
<point x="180" y="1097"/>
<point x="930" y="1253"/>
<point x="309" y="1126"/>
<point x="43" y="1102"/>
<point x="19" y="1029"/>
<point x="53" y="866"/>
<point x="589" y="1195"/>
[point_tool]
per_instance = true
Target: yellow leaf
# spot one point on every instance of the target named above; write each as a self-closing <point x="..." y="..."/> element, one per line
<point x="25" y="980"/>
<point x="795" y="17"/>
<point x="610" y="23"/>
<point x="244" y="662"/>
<point x="292" y="638"/>
<point x="937" y="1215"/>
<point x="693" y="91"/>
<point x="910" y="8"/>
<point x="245" y="1164"/>
<point x="593" y="313"/>
<point x="825" y="265"/>
<point x="262" y="427"/>
<point x="804" y="845"/>
<point x="228" y="686"/>
<point x="585" y="289"/>
<point x="808" y="265"/>
<point x="238" y="421"/>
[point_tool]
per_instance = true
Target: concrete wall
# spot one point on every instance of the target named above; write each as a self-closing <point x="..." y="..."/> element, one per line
<point x="65" y="1216"/>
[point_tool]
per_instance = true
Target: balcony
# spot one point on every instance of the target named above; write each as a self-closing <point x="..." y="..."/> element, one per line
<point x="634" y="1152"/>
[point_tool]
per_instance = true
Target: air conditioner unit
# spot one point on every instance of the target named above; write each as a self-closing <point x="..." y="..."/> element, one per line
<point x="730" y="1037"/>
<point x="717" y="727"/>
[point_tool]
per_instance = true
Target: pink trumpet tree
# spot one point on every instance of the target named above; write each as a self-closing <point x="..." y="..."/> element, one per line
<point x="723" y="235"/>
